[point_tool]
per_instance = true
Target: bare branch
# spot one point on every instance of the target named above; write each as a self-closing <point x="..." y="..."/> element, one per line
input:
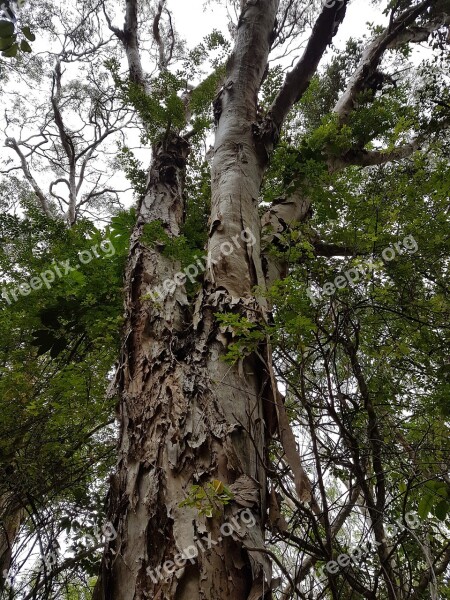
<point x="297" y="81"/>
<point x="437" y="569"/>
<point x="400" y="31"/>
<point x="336" y="526"/>
<point x="131" y="43"/>
<point x="163" y="60"/>
<point x="129" y="38"/>
<point x="52" y="185"/>
<point x="12" y="143"/>
<point x="66" y="141"/>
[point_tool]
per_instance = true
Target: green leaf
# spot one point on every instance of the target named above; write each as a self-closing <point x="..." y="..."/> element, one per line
<point x="441" y="510"/>
<point x="25" y="46"/>
<point x="6" y="43"/>
<point x="11" y="52"/>
<point x="28" y="34"/>
<point x="425" y="506"/>
<point x="6" y="29"/>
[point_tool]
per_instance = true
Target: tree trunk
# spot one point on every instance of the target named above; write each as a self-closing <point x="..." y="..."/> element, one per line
<point x="186" y="416"/>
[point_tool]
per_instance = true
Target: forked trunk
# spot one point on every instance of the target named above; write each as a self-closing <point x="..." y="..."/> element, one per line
<point x="187" y="417"/>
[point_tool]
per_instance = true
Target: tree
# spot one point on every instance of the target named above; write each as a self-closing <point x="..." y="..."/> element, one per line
<point x="205" y="434"/>
<point x="56" y="427"/>
<point x="186" y="415"/>
<point x="58" y="344"/>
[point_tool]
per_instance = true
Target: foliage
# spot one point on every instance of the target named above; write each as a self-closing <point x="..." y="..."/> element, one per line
<point x="209" y="499"/>
<point x="12" y="40"/>
<point x="248" y="336"/>
<point x="56" y="352"/>
<point x="364" y="370"/>
<point x="133" y="170"/>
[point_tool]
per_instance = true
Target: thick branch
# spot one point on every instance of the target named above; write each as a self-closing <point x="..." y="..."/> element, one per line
<point x="66" y="142"/>
<point x="11" y="143"/>
<point x="400" y="31"/>
<point x="297" y="81"/>
<point x="129" y="38"/>
<point x="421" y="33"/>
<point x="364" y="158"/>
<point x="330" y="250"/>
<point x="131" y="43"/>
<point x="163" y="60"/>
<point x="280" y="216"/>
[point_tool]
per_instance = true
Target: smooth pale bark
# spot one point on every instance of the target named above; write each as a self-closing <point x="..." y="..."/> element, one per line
<point x="276" y="222"/>
<point x="186" y="416"/>
<point x="400" y="31"/>
<point x="181" y="424"/>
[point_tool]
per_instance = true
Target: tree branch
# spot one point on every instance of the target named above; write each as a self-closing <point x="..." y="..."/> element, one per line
<point x="297" y="81"/>
<point x="336" y="526"/>
<point x="52" y="185"/>
<point x="275" y="222"/>
<point x="163" y="60"/>
<point x="66" y="141"/>
<point x="70" y="562"/>
<point x="437" y="569"/>
<point x="11" y="143"/>
<point x="129" y="38"/>
<point x="330" y="250"/>
<point x="398" y="32"/>
<point x="373" y="158"/>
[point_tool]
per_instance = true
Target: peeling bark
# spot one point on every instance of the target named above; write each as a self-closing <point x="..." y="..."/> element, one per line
<point x="186" y="416"/>
<point x="11" y="517"/>
<point x="183" y="416"/>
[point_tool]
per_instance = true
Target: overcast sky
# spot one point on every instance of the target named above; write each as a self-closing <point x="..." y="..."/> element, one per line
<point x="193" y="21"/>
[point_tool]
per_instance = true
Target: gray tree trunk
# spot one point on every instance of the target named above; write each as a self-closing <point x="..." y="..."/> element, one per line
<point x="186" y="416"/>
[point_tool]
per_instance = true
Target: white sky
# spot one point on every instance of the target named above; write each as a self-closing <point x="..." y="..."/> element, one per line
<point x="193" y="20"/>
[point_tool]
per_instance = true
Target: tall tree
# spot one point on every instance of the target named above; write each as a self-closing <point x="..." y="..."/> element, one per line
<point x="186" y="415"/>
<point x="325" y="170"/>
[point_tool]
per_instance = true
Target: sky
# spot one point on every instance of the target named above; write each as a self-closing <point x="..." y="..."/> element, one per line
<point x="194" y="20"/>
